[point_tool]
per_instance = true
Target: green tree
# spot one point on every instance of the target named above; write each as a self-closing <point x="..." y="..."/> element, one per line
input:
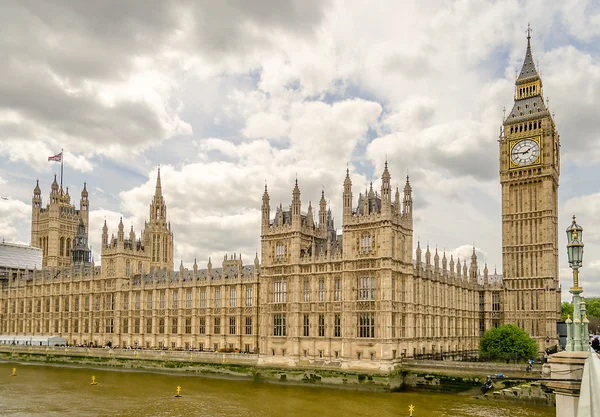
<point x="567" y="309"/>
<point x="507" y="342"/>
<point x="592" y="307"/>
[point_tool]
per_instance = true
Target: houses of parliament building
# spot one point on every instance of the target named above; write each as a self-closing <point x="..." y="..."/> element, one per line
<point x="365" y="296"/>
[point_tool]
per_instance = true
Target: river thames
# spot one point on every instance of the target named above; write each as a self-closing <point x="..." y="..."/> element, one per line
<point x="40" y="390"/>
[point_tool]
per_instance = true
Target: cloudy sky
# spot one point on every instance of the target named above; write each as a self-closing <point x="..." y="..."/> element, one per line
<point x="225" y="95"/>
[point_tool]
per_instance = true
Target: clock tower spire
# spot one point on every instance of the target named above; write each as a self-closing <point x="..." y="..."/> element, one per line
<point x="529" y="174"/>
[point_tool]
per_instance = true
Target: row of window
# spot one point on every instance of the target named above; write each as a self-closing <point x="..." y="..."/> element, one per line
<point x="366" y="325"/>
<point x="366" y="290"/>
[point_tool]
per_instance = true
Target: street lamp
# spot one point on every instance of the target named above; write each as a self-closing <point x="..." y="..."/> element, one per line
<point x="575" y="254"/>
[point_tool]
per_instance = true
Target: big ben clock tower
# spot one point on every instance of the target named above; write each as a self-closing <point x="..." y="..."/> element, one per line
<point x="529" y="173"/>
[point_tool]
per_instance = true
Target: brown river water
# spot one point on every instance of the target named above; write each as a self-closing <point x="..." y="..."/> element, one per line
<point x="41" y="390"/>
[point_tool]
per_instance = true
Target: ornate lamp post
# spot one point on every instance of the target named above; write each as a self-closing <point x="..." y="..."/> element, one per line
<point x="575" y="253"/>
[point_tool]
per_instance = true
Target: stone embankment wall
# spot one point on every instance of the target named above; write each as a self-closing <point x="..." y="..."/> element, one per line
<point x="439" y="376"/>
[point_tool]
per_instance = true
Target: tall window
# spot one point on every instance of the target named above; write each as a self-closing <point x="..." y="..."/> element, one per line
<point x="188" y="298"/>
<point x="76" y="303"/>
<point x="321" y="290"/>
<point x="203" y="298"/>
<point x="162" y="300"/>
<point x="110" y="302"/>
<point x="161" y="325"/>
<point x="149" y="325"/>
<point x="125" y="328"/>
<point x="137" y="300"/>
<point x="248" y="325"/>
<point x="175" y="301"/>
<point x="321" y="325"/>
<point x="232" y="297"/>
<point x="306" y="291"/>
<point x="174" y="325"/>
<point x="366" y="325"/>
<point x="248" y="296"/>
<point x="366" y="288"/>
<point x="337" y="290"/>
<point x="149" y="301"/>
<point x="188" y="325"/>
<point x="279" y="328"/>
<point x="337" y="325"/>
<point x="280" y="291"/>
<point x="127" y="268"/>
<point x="279" y="251"/>
<point x="109" y="325"/>
<point x="306" y="325"/>
<point x="125" y="302"/>
<point x="365" y="243"/>
<point x="218" y="298"/>
<point x="217" y="325"/>
<point x="232" y="325"/>
<point x="155" y="248"/>
<point x="202" y="325"/>
<point x="136" y="325"/>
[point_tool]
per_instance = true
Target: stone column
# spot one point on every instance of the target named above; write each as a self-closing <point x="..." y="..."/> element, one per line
<point x="566" y="367"/>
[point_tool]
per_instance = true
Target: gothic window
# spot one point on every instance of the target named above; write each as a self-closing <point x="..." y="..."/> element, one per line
<point x="161" y="325"/>
<point x="125" y="302"/>
<point x="127" y="268"/>
<point x="62" y="246"/>
<point x="203" y="298"/>
<point x="188" y="299"/>
<point x="202" y="325"/>
<point x="188" y="325"/>
<point x="337" y="290"/>
<point x="174" y="325"/>
<point x="232" y="297"/>
<point x="279" y="251"/>
<point x="365" y="243"/>
<point x="248" y="296"/>
<point x="217" y="325"/>
<point x="321" y="325"/>
<point x="280" y="291"/>
<point x="337" y="326"/>
<point x="306" y="291"/>
<point x="248" y="325"/>
<point x="306" y="325"/>
<point x="321" y="290"/>
<point x="366" y="325"/>
<point x="279" y="326"/>
<point x="175" y="301"/>
<point x="137" y="301"/>
<point x="68" y="248"/>
<point x="232" y="325"/>
<point x="149" y="325"/>
<point x="217" y="298"/>
<point x="125" y="326"/>
<point x="366" y="288"/>
<point x="162" y="300"/>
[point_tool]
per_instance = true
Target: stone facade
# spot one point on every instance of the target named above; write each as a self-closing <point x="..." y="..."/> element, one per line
<point x="529" y="173"/>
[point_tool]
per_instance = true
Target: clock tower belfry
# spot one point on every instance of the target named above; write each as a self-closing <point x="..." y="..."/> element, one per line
<point x="529" y="173"/>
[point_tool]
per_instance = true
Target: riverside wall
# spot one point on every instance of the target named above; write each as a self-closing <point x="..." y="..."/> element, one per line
<point x="441" y="376"/>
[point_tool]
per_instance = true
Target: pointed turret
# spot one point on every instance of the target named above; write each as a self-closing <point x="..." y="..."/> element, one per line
<point x="310" y="221"/>
<point x="266" y="209"/>
<point x="528" y="69"/>
<point x="84" y="203"/>
<point x="132" y="237"/>
<point x="322" y="212"/>
<point x="427" y="258"/>
<point x="473" y="267"/>
<point x="347" y="196"/>
<point x="158" y="189"/>
<point x="485" y="274"/>
<point x="397" y="208"/>
<point x="54" y="188"/>
<point x="451" y="266"/>
<point x="121" y="232"/>
<point x="195" y="269"/>
<point x="418" y="254"/>
<point x="407" y="202"/>
<point x="209" y="266"/>
<point x="296" y="205"/>
<point x="458" y="269"/>
<point x="386" y="191"/>
<point x="36" y="201"/>
<point x="436" y="261"/>
<point x="104" y="235"/>
<point x="256" y="262"/>
<point x="444" y="262"/>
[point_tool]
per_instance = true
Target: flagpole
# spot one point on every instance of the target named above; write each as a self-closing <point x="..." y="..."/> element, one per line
<point x="62" y="157"/>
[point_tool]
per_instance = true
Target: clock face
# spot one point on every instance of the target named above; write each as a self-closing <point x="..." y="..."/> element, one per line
<point x="525" y="152"/>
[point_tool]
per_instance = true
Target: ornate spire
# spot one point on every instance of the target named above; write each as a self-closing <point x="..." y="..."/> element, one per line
<point x="528" y="70"/>
<point x="37" y="190"/>
<point x="158" y="191"/>
<point x="84" y="192"/>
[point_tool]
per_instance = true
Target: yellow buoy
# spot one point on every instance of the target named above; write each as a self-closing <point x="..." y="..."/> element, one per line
<point x="411" y="408"/>
<point x="93" y="381"/>
<point x="14" y="373"/>
<point x="178" y="391"/>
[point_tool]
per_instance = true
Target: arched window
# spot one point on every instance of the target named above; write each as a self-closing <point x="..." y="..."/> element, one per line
<point x="279" y="251"/>
<point x="127" y="268"/>
<point x="68" y="248"/>
<point x="62" y="246"/>
<point x="365" y="243"/>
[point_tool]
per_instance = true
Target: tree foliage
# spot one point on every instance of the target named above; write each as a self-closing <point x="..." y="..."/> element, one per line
<point x="567" y="309"/>
<point x="592" y="307"/>
<point x="507" y="342"/>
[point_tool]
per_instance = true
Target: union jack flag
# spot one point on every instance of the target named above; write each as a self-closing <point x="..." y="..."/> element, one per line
<point x="57" y="157"/>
